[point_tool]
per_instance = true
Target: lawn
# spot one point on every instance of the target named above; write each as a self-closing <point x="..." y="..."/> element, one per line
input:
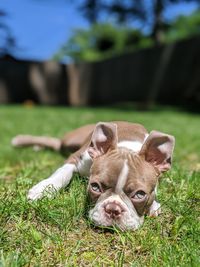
<point x="56" y="232"/>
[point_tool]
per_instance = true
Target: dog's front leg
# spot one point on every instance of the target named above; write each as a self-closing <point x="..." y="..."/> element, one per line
<point x="79" y="162"/>
<point x="55" y="182"/>
<point x="155" y="209"/>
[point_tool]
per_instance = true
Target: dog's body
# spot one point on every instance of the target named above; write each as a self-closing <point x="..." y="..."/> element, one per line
<point x="123" y="163"/>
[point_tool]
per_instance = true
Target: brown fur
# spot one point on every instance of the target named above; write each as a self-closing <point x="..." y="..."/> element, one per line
<point x="141" y="176"/>
<point x="122" y="182"/>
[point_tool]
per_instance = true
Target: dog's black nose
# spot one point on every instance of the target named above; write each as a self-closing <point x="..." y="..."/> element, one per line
<point x="113" y="210"/>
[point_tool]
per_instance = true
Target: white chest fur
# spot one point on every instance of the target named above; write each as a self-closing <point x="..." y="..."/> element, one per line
<point x="132" y="145"/>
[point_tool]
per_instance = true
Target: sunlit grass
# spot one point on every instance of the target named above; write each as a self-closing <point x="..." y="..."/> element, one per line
<point x="56" y="232"/>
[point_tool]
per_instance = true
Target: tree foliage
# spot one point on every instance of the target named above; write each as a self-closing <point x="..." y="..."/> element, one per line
<point x="103" y="40"/>
<point x="150" y="13"/>
<point x="7" y="40"/>
<point x="183" y="27"/>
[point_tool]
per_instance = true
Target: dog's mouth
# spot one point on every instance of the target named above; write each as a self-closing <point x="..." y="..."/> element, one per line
<point x="118" y="223"/>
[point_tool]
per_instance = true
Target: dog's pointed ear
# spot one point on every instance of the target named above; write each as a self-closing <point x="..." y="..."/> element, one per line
<point x="158" y="149"/>
<point x="104" y="137"/>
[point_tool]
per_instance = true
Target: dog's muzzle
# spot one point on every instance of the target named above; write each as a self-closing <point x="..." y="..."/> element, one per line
<point x="113" y="211"/>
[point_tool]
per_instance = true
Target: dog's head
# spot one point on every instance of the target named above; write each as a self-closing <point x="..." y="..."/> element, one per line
<point x="122" y="183"/>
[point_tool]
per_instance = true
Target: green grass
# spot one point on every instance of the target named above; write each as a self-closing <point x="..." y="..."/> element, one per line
<point x="55" y="232"/>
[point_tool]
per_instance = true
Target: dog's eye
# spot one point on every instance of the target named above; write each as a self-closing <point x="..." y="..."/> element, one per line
<point x="139" y="195"/>
<point x="95" y="187"/>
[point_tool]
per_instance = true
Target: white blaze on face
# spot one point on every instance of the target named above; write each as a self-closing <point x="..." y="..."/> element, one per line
<point x="122" y="178"/>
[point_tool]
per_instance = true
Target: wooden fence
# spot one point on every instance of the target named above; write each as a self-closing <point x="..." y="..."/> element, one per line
<point x="168" y="75"/>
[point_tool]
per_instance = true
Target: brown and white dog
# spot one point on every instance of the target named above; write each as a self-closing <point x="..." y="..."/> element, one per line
<point x="123" y="163"/>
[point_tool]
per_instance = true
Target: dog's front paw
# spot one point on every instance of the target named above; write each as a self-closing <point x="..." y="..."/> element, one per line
<point x="155" y="209"/>
<point x="17" y="140"/>
<point x="44" y="188"/>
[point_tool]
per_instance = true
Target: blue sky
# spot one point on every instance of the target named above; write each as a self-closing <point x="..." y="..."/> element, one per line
<point x="42" y="26"/>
